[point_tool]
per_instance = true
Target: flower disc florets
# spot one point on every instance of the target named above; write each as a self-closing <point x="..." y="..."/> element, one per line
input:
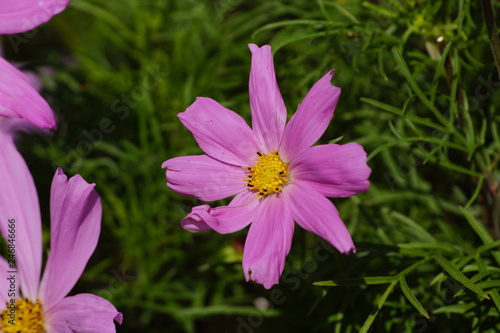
<point x="269" y="175"/>
<point x="24" y="316"/>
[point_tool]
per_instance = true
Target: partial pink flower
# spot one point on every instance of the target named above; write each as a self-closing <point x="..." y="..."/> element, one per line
<point x="20" y="100"/>
<point x="23" y="15"/>
<point x="278" y="177"/>
<point x="75" y="210"/>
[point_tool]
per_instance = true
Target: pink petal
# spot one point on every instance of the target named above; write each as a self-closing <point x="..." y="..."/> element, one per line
<point x="196" y="220"/>
<point x="18" y="99"/>
<point x="225" y="219"/>
<point x="268" y="242"/>
<point x="83" y="313"/>
<point x="204" y="177"/>
<point x="266" y="102"/>
<point x="333" y="170"/>
<point x="220" y="132"/>
<point x="23" y="15"/>
<point x="14" y="126"/>
<point x="75" y="210"/>
<point x="311" y="119"/>
<point x="19" y="202"/>
<point x="5" y="284"/>
<point x="315" y="213"/>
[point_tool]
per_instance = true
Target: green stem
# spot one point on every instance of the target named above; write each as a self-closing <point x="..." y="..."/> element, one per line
<point x="492" y="31"/>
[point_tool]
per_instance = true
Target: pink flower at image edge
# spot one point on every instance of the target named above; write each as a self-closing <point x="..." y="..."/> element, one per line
<point x="273" y="170"/>
<point x="75" y="210"/>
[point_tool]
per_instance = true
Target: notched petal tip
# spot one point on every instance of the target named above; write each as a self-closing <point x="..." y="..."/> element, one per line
<point x="255" y="48"/>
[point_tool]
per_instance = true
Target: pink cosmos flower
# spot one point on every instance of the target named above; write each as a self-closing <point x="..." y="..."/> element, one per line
<point x="278" y="177"/>
<point x="41" y="304"/>
<point x="22" y="15"/>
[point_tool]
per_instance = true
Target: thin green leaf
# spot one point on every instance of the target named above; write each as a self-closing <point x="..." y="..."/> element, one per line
<point x="411" y="297"/>
<point x="480" y="231"/>
<point x="380" y="304"/>
<point x="430" y="246"/>
<point x="280" y="24"/>
<point x="474" y="196"/>
<point x="379" y="9"/>
<point x="380" y="58"/>
<point x="345" y="12"/>
<point x="414" y="85"/>
<point x="336" y="140"/>
<point x="370" y="280"/>
<point x="455" y="308"/>
<point x="487" y="247"/>
<point x="399" y="112"/>
<point x="495" y="297"/>
<point x="297" y="37"/>
<point x="439" y="71"/>
<point x="417" y="229"/>
<point x="459" y="276"/>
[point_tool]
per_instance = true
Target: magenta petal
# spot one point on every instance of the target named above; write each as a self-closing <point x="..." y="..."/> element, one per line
<point x="19" y="202"/>
<point x="204" y="177"/>
<point x="333" y="170"/>
<point x="311" y="119"/>
<point x="5" y="284"/>
<point x="22" y="15"/>
<point x="266" y="102"/>
<point x="18" y="99"/>
<point x="268" y="242"/>
<point x="225" y="219"/>
<point x="220" y="132"/>
<point x="315" y="213"/>
<point x="196" y="220"/>
<point x="13" y="126"/>
<point x="75" y="210"/>
<point x="83" y="313"/>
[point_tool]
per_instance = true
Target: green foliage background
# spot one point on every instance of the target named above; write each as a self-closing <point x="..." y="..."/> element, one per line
<point x="419" y="92"/>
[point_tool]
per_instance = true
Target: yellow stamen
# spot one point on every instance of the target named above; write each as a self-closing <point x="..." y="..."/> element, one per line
<point x="22" y="316"/>
<point x="268" y="176"/>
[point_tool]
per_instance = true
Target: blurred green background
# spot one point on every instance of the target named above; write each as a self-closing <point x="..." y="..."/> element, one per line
<point x="419" y="92"/>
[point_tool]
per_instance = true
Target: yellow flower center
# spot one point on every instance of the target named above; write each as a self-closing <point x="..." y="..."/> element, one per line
<point x="269" y="175"/>
<point x="22" y="316"/>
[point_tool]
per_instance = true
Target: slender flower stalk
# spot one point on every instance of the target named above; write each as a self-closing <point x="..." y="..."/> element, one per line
<point x="273" y="170"/>
<point x="41" y="304"/>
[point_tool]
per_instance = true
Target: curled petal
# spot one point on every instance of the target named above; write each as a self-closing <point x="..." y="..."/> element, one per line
<point x="84" y="313"/>
<point x="268" y="242"/>
<point x="18" y="99"/>
<point x="310" y="121"/>
<point x="315" y="213"/>
<point x="220" y="132"/>
<point x="75" y="210"/>
<point x="196" y="220"/>
<point x="203" y="177"/>
<point x="19" y="206"/>
<point x="333" y="170"/>
<point x="266" y="102"/>
<point x="23" y="15"/>
<point x="225" y="219"/>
